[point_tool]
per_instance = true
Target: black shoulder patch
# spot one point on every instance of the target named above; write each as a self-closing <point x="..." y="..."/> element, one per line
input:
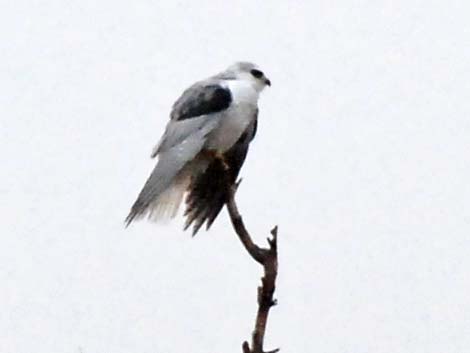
<point x="209" y="99"/>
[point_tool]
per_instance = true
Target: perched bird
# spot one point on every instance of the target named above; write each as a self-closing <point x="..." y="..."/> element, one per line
<point x="203" y="148"/>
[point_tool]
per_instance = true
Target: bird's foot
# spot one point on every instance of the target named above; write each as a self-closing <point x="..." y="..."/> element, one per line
<point x="212" y="154"/>
<point x="224" y="163"/>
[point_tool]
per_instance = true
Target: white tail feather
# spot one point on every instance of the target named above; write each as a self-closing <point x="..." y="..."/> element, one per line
<point x="166" y="206"/>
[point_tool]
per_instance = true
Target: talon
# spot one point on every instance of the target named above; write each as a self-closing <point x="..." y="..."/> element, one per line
<point x="212" y="154"/>
<point x="222" y="160"/>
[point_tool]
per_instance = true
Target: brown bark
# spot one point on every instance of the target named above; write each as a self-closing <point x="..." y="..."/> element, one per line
<point x="267" y="257"/>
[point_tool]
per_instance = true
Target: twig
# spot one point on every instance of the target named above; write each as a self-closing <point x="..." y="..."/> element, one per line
<point x="267" y="257"/>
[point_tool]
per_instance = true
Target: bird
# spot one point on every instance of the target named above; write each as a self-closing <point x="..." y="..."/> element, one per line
<point x="203" y="148"/>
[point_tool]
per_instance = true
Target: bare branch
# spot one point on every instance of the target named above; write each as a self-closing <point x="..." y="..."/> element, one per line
<point x="257" y="253"/>
<point x="267" y="257"/>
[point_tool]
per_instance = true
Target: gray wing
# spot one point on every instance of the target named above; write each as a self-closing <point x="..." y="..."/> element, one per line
<point x="192" y="111"/>
<point x="192" y="119"/>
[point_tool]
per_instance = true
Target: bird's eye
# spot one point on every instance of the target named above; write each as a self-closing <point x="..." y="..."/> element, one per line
<point x="256" y="73"/>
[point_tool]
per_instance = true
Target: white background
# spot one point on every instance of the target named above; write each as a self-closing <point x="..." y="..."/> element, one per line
<point x="362" y="158"/>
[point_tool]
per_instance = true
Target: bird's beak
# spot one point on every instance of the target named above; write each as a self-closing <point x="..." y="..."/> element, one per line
<point x="268" y="82"/>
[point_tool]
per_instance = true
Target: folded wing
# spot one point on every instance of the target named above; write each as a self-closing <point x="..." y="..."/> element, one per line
<point x="193" y="117"/>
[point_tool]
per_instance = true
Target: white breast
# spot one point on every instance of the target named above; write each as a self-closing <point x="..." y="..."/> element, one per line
<point x="237" y="117"/>
<point x="243" y="92"/>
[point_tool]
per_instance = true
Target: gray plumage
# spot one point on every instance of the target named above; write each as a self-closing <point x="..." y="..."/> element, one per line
<point x="203" y="148"/>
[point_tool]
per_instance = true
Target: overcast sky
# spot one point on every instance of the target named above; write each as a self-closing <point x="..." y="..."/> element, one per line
<point x="362" y="158"/>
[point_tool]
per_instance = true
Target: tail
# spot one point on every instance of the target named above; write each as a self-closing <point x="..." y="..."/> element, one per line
<point x="165" y="206"/>
<point x="163" y="191"/>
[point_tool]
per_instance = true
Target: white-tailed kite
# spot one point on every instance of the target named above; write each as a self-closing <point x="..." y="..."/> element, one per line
<point x="203" y="148"/>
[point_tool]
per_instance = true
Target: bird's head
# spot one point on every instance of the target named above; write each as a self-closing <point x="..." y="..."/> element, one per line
<point x="249" y="72"/>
